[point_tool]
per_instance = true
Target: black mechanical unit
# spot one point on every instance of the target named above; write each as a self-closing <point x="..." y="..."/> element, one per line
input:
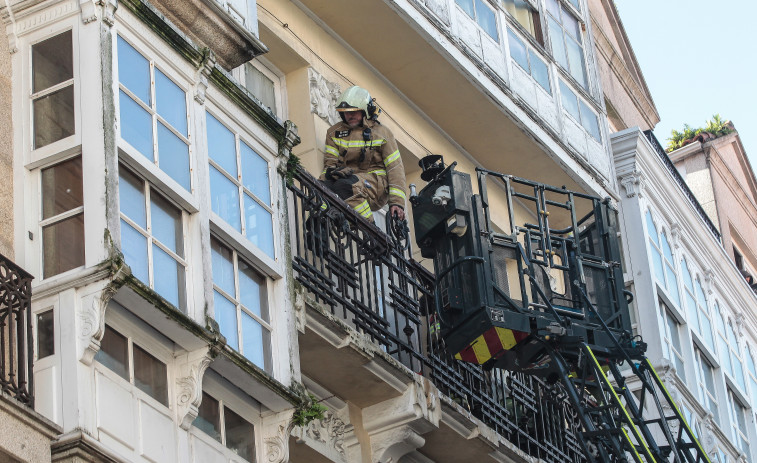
<point x="544" y="295"/>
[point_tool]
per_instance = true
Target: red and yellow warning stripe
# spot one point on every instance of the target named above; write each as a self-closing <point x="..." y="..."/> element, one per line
<point x="490" y="344"/>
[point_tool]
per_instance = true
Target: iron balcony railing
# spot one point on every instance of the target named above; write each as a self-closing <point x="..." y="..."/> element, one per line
<point x="16" y="375"/>
<point x="366" y="278"/>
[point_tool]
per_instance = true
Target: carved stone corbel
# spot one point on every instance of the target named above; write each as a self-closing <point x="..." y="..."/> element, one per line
<point x="633" y="184"/>
<point x="277" y="442"/>
<point x="675" y="235"/>
<point x="291" y="138"/>
<point x="88" y="11"/>
<point x="92" y="318"/>
<point x="709" y="281"/>
<point x="192" y="367"/>
<point x="202" y="74"/>
<point x="109" y="11"/>
<point x="738" y="319"/>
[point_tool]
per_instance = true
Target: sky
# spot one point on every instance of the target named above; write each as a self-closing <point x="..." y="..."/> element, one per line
<point x="698" y="58"/>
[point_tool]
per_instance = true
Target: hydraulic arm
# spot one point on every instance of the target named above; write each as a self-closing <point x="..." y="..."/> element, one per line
<point x="543" y="294"/>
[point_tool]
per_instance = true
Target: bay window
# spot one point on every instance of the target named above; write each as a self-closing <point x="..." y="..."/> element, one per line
<point x="153" y="114"/>
<point x="483" y="14"/>
<point x="152" y="238"/>
<point x="565" y="35"/>
<point x="696" y="306"/>
<point x="581" y="112"/>
<point x="706" y="384"/>
<point x="527" y="16"/>
<point x="53" y="89"/>
<point x="671" y="332"/>
<point x="225" y="426"/>
<point x="529" y="60"/>
<point x="737" y="413"/>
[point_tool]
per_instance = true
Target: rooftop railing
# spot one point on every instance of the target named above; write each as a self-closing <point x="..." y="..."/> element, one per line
<point x="16" y="374"/>
<point x="366" y="278"/>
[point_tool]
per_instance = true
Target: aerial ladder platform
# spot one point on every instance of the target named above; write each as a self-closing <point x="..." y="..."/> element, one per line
<point x="544" y="295"/>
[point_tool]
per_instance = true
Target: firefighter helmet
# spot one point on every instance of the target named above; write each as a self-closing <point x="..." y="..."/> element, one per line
<point x="356" y="99"/>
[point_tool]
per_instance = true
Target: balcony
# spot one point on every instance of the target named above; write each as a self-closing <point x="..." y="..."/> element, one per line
<point x="366" y="335"/>
<point x="16" y="376"/>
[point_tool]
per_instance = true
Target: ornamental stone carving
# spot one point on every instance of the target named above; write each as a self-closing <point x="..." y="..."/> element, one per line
<point x="189" y="384"/>
<point x="323" y="96"/>
<point x="201" y="76"/>
<point x="330" y="431"/>
<point x="92" y="318"/>
<point x="632" y="183"/>
<point x="277" y="446"/>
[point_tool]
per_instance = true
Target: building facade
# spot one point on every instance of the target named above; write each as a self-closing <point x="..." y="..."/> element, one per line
<point x="179" y="312"/>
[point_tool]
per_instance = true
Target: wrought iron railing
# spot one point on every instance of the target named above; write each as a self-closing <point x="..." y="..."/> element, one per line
<point x="681" y="182"/>
<point x="16" y="376"/>
<point x="365" y="277"/>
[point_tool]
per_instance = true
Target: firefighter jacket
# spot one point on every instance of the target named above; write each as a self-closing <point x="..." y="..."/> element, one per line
<point x="381" y="175"/>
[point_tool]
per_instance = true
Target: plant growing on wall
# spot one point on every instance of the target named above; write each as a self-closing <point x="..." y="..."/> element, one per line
<point x="716" y="127"/>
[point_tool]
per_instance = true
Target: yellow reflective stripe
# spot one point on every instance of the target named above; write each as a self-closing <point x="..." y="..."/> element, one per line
<point x="324" y="206"/>
<point x="324" y="172"/>
<point x="378" y="172"/>
<point x="357" y="143"/>
<point x="397" y="192"/>
<point x="362" y="206"/>
<point x="391" y="158"/>
<point x="332" y="150"/>
<point x="367" y="213"/>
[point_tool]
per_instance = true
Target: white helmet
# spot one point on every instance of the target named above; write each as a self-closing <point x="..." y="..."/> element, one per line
<point x="356" y="99"/>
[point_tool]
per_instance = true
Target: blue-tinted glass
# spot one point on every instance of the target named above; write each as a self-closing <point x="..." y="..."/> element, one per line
<point x="666" y="249"/>
<point x="226" y="316"/>
<point x="221" y="145"/>
<point x="250" y="284"/>
<point x="719" y="322"/>
<point x="224" y="198"/>
<point x="673" y="286"/>
<point x="252" y="336"/>
<point x="575" y="3"/>
<point x="486" y="19"/>
<point x="259" y="225"/>
<point x="589" y="120"/>
<point x="687" y="276"/>
<point x="168" y="276"/>
<point x="691" y="311"/>
<point x="255" y="173"/>
<point x="572" y="27"/>
<point x="134" y="247"/>
<point x="132" y="198"/>
<point x="467" y="6"/>
<point x="554" y="8"/>
<point x="576" y="62"/>
<point x="706" y="332"/>
<point x="171" y="102"/>
<point x="136" y="126"/>
<point x="657" y="260"/>
<point x="725" y="359"/>
<point x="750" y="365"/>
<point x="517" y="50"/>
<point x="539" y="71"/>
<point x="569" y="100"/>
<point x="558" y="43"/>
<point x="134" y="71"/>
<point x="700" y="294"/>
<point x="223" y="267"/>
<point x="166" y="224"/>
<point x="174" y="156"/>
<point x="738" y="373"/>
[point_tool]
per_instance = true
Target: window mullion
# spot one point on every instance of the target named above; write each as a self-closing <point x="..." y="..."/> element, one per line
<point x="53" y="89"/>
<point x="237" y="298"/>
<point x="62" y="216"/>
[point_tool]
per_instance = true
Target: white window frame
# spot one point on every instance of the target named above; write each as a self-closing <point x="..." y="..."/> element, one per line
<point x="129" y="155"/>
<point x="706" y="395"/>
<point x="563" y="85"/>
<point x="530" y="51"/>
<point x="239" y="307"/>
<point x="571" y="9"/>
<point x="751" y="375"/>
<point x="151" y="240"/>
<point x="739" y="433"/>
<point x="474" y="18"/>
<point x="667" y="318"/>
<point x="701" y="309"/>
<point x="278" y="78"/>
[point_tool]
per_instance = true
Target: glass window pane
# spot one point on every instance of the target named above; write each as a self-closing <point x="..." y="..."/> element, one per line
<point x="168" y="277"/>
<point x="136" y="126"/>
<point x="687" y="276"/>
<point x="554" y="8"/>
<point x="558" y="44"/>
<point x="240" y="436"/>
<point x="539" y="71"/>
<point x="652" y="229"/>
<point x="166" y="224"/>
<point x="467" y="6"/>
<point x="171" y="102"/>
<point x="572" y="27"/>
<point x="61" y="188"/>
<point x="132" y="197"/>
<point x="45" y="334"/>
<point x="113" y="353"/>
<point x="226" y="316"/>
<point x="522" y="12"/>
<point x="575" y="3"/>
<point x="209" y="417"/>
<point x="589" y="120"/>
<point x="657" y="260"/>
<point x="150" y="375"/>
<point x="260" y="86"/>
<point x="134" y="71"/>
<point x="672" y="285"/>
<point x="52" y="61"/>
<point x="223" y="267"/>
<point x="576" y="61"/>
<point x="569" y="101"/>
<point x="691" y="312"/>
<point x="255" y="173"/>
<point x="486" y="19"/>
<point x="252" y="290"/>
<point x="224" y="199"/>
<point x="259" y="225"/>
<point x="174" y="156"/>
<point x="134" y="247"/>
<point x="252" y="337"/>
<point x="221" y="145"/>
<point x="63" y="245"/>
<point x="518" y="50"/>
<point x="706" y="332"/>
<point x="54" y="117"/>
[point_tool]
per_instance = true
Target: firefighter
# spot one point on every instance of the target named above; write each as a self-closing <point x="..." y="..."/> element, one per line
<point x="362" y="164"/>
